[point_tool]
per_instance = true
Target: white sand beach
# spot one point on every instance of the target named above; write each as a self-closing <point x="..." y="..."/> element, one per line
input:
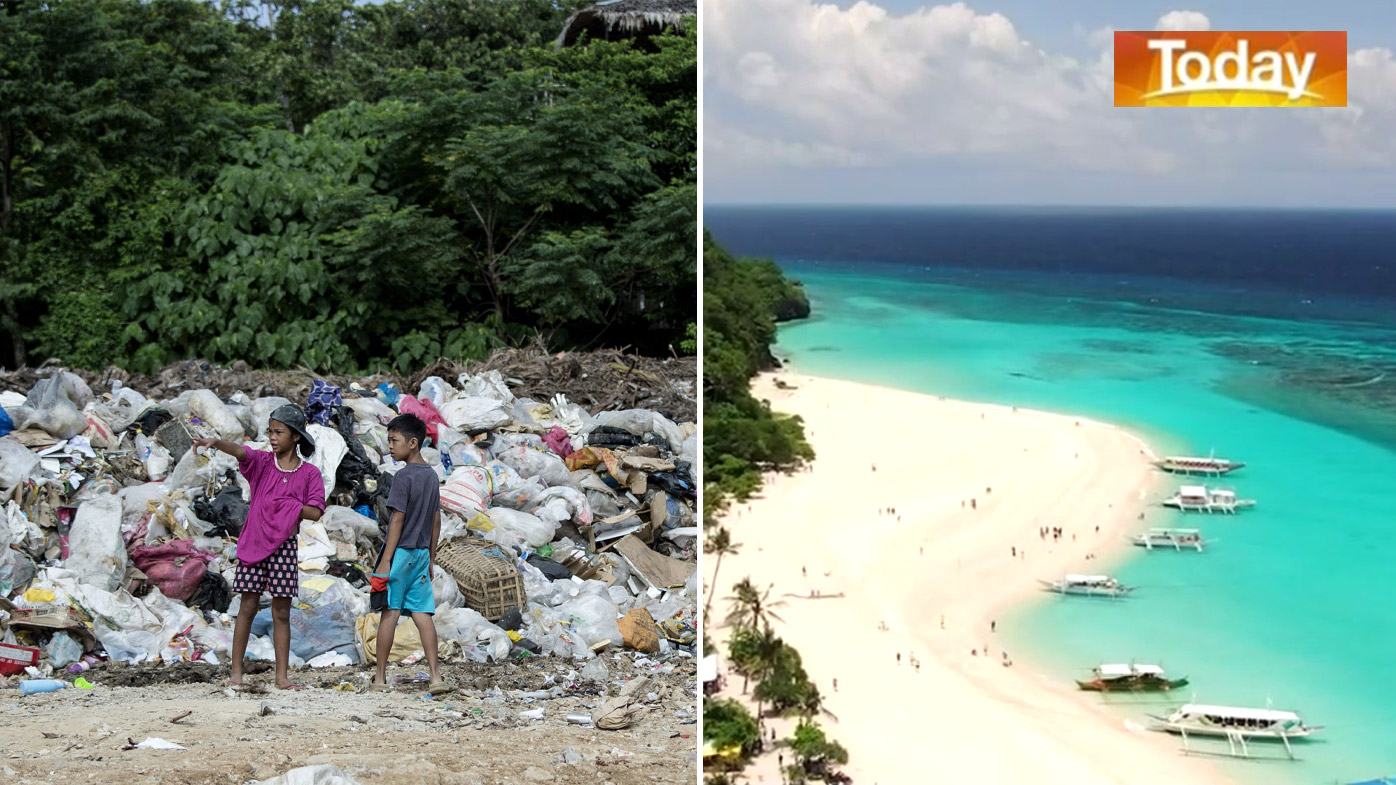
<point x="959" y="718"/>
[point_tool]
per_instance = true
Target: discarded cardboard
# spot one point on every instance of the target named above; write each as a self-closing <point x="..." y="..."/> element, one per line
<point x="659" y="571"/>
<point x="638" y="631"/>
<point x="14" y="659"/>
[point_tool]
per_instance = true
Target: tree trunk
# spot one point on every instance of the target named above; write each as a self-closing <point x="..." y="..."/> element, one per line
<point x="713" y="589"/>
<point x="7" y="199"/>
<point x="16" y="339"/>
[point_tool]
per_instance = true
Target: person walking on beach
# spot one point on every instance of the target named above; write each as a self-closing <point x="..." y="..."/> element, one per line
<point x="993" y="626"/>
<point x="899" y="658"/>
<point x="836" y="685"/>
<point x="1014" y="550"/>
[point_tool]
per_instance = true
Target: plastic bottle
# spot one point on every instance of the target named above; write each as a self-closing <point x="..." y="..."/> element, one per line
<point x="34" y="686"/>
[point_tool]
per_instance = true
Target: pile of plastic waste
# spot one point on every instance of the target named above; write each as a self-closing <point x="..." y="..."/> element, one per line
<point x="119" y="540"/>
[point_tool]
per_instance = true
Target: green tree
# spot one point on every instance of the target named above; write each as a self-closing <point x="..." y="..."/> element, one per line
<point x="752" y="607"/>
<point x="786" y="686"/>
<point x="813" y="749"/>
<point x="726" y="723"/>
<point x="719" y="544"/>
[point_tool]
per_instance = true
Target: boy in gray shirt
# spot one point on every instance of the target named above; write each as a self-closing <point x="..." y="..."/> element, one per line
<point x="404" y="567"/>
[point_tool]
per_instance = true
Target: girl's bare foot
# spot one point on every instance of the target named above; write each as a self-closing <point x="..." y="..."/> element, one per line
<point x="233" y="681"/>
<point x="438" y="687"/>
<point x="287" y="685"/>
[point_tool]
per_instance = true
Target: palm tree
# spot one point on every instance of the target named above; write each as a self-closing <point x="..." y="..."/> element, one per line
<point x="719" y="543"/>
<point x="751" y="607"/>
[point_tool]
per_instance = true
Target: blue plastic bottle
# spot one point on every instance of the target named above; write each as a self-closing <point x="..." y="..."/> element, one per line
<point x="32" y="686"/>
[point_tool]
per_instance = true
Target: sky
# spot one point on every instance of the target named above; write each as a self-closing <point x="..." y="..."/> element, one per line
<point x="901" y="102"/>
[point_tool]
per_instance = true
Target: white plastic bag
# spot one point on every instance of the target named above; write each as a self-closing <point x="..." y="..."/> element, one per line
<point x="330" y="449"/>
<point x="321" y="774"/>
<point x="593" y="617"/>
<point x="444" y="589"/>
<point x="55" y="406"/>
<point x="370" y="411"/>
<point x="489" y="384"/>
<point x="209" y="408"/>
<point x="17" y="463"/>
<point x="347" y="525"/>
<point x="509" y="524"/>
<point x="154" y="456"/>
<point x="261" y="413"/>
<point x="474" y="414"/>
<point x="436" y="390"/>
<point x="97" y="553"/>
<point x="125" y="407"/>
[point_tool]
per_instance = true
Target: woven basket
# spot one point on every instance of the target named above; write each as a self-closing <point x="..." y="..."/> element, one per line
<point x="491" y="585"/>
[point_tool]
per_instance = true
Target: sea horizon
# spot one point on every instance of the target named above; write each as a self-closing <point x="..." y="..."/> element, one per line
<point x="1251" y="355"/>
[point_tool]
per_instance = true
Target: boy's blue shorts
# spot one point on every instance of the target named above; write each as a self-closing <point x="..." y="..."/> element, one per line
<point x="409" y="581"/>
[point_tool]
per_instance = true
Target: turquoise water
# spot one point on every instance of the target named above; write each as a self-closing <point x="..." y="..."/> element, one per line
<point x="1294" y="604"/>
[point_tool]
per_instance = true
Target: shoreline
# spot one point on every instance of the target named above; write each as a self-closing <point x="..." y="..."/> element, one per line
<point x="933" y="561"/>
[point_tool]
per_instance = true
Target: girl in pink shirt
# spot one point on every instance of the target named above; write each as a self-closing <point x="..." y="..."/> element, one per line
<point x="285" y="489"/>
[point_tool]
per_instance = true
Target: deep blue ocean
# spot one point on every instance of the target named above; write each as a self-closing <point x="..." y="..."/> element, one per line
<point x="1267" y="336"/>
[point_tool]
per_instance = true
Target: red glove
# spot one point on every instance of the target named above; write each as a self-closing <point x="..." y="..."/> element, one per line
<point x="377" y="582"/>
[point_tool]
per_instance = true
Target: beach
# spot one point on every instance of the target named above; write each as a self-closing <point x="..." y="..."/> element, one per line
<point x="926" y="516"/>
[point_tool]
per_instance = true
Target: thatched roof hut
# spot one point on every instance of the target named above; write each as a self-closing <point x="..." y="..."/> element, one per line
<point x="612" y="19"/>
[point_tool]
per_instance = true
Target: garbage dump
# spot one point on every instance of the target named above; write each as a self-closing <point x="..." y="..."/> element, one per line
<point x="567" y="530"/>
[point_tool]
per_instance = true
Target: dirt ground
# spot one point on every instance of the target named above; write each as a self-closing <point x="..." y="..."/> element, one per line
<point x="473" y="736"/>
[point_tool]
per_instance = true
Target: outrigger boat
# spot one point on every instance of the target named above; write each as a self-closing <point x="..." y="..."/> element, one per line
<point x="1236" y="725"/>
<point x="1093" y="585"/>
<point x="1176" y="539"/>
<point x="1116" y="677"/>
<point x="1193" y="465"/>
<point x="1200" y="498"/>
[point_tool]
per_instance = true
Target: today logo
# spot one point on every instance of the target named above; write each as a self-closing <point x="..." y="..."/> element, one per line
<point x="1258" y="68"/>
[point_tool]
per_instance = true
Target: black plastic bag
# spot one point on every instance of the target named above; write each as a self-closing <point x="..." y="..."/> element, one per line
<point x="610" y="436"/>
<point x="226" y="511"/>
<point x="213" y="593"/>
<point x="355" y="469"/>
<point x="151" y="421"/>
<point x="677" y="483"/>
<point x="550" y="569"/>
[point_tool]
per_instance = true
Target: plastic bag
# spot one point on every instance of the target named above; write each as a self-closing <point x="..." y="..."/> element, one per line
<point x="97" y="551"/>
<point x="481" y="639"/>
<point x="209" y="408"/>
<point x="406" y="640"/>
<point x="593" y="617"/>
<point x="125" y="407"/>
<point x="154" y="457"/>
<point x="345" y="525"/>
<point x="444" y="589"/>
<point x="17" y="463"/>
<point x="436" y="390"/>
<point x="176" y="567"/>
<point x="369" y="412"/>
<point x="54" y="405"/>
<point x="489" y="384"/>
<point x="475" y="414"/>
<point x="320" y="774"/>
<point x="466" y="492"/>
<point x="641" y="421"/>
<point x="330" y="449"/>
<point x="315" y="631"/>
<point x="512" y="523"/>
<point x="528" y="462"/>
<point x="62" y="650"/>
<point x="261" y="413"/>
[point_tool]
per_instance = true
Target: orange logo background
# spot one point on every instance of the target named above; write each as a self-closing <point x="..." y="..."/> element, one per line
<point x="1140" y="76"/>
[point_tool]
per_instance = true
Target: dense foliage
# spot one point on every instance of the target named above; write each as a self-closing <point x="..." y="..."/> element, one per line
<point x="726" y="723"/>
<point x="742" y="299"/>
<point x="338" y="184"/>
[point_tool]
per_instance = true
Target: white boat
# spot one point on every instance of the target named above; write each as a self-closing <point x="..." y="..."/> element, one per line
<point x="1091" y="585"/>
<point x="1236" y="725"/>
<point x="1200" y="498"/>
<point x="1175" y="539"/>
<point x="1195" y="465"/>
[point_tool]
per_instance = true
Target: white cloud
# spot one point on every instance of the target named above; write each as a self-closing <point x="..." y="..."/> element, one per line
<point x="1183" y="20"/>
<point x="802" y="84"/>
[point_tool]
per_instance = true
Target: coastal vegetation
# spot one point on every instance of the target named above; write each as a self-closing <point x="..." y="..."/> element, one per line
<point x="743" y="299"/>
<point x="337" y="184"/>
<point x="782" y="688"/>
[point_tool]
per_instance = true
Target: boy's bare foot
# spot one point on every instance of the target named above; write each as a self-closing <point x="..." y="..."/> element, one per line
<point x="377" y="686"/>
<point x="438" y="687"/>
<point x="287" y="685"/>
<point x="233" y="682"/>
